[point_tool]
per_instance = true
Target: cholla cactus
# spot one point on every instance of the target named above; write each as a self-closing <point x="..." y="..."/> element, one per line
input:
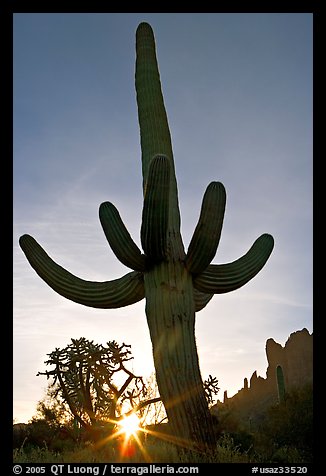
<point x="175" y="283"/>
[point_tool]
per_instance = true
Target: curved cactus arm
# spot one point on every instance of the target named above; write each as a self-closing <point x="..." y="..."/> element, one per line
<point x="155" y="215"/>
<point x="119" y="238"/>
<point x="223" y="278"/>
<point x="206" y="237"/>
<point x="201" y="299"/>
<point x="106" y="295"/>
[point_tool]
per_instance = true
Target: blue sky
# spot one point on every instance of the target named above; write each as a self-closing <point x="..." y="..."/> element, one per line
<point x="238" y="93"/>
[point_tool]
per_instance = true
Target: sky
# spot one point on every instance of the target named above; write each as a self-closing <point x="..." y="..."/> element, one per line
<point x="238" y="93"/>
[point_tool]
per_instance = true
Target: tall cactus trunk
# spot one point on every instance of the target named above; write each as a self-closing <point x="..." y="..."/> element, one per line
<point x="171" y="320"/>
<point x="169" y="296"/>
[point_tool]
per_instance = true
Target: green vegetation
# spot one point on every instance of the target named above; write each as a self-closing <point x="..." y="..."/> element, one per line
<point x="283" y="433"/>
<point x="287" y="429"/>
<point x="284" y="436"/>
<point x="157" y="452"/>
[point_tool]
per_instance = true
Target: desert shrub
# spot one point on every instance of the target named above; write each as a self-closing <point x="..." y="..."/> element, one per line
<point x="243" y="440"/>
<point x="228" y="451"/>
<point x="286" y="433"/>
<point x="284" y="436"/>
<point x="36" y="455"/>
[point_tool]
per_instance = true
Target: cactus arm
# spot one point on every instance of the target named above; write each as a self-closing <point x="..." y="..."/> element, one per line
<point x="155" y="216"/>
<point x="218" y="279"/>
<point x="119" y="238"/>
<point x="201" y="299"/>
<point x="106" y="295"/>
<point x="206" y="237"/>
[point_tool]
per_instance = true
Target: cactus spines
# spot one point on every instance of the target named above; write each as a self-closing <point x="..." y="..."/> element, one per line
<point x="174" y="284"/>
<point x="280" y="384"/>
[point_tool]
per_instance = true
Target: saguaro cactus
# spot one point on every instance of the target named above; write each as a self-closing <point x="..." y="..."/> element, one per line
<point x="280" y="384"/>
<point x="175" y="283"/>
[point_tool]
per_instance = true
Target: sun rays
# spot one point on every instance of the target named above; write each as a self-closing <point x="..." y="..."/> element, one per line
<point x="129" y="425"/>
<point x="129" y="438"/>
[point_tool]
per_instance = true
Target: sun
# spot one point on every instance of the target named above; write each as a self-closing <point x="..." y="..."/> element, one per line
<point x="129" y="425"/>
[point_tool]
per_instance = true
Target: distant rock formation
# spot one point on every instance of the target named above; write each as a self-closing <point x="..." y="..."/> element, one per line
<point x="295" y="358"/>
<point x="296" y="362"/>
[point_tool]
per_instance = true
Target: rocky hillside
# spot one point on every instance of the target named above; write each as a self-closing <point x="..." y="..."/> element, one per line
<point x="296" y="362"/>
